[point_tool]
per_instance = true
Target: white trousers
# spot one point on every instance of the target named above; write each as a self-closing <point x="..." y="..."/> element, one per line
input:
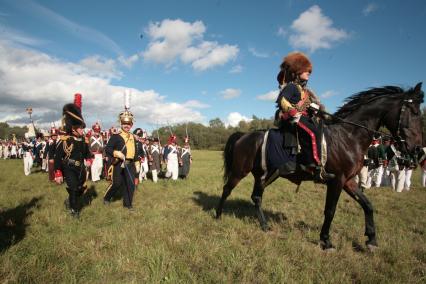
<point x="144" y="170"/>
<point x="96" y="168"/>
<point x="172" y="169"/>
<point x="44" y="164"/>
<point x="361" y="177"/>
<point x="28" y="163"/>
<point x="154" y="175"/>
<point x="423" y="178"/>
<point x="407" y="183"/>
<point x="378" y="174"/>
<point x="398" y="180"/>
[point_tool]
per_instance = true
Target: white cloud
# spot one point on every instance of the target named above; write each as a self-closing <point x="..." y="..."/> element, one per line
<point x="234" y="118"/>
<point x="195" y="104"/>
<point x="128" y="61"/>
<point x="370" y="8"/>
<point x="86" y="33"/>
<point x="282" y="32"/>
<point x="17" y="37"/>
<point x="102" y="67"/>
<point x="259" y="54"/>
<point x="30" y="78"/>
<point x="313" y="30"/>
<point x="176" y="39"/>
<point x="270" y="96"/>
<point x="328" y="94"/>
<point x="236" y="69"/>
<point x="230" y="93"/>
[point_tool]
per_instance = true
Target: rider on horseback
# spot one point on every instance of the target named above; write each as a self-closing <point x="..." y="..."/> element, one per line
<point x="295" y="116"/>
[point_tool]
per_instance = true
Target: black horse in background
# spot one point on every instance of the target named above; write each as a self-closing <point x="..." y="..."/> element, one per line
<point x="348" y="136"/>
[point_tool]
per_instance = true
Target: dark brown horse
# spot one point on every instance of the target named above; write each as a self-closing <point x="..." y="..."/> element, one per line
<point x="348" y="137"/>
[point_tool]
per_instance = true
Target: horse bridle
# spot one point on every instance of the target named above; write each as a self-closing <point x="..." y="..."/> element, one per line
<point x="397" y="138"/>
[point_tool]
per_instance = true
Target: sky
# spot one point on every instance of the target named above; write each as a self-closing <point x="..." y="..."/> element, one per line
<point x="193" y="61"/>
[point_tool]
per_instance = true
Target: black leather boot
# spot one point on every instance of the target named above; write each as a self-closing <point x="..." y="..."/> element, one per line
<point x="321" y="176"/>
<point x="288" y="168"/>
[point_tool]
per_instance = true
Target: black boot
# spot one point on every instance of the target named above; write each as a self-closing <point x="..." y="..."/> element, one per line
<point x="288" y="168"/>
<point x="75" y="213"/>
<point x="321" y="176"/>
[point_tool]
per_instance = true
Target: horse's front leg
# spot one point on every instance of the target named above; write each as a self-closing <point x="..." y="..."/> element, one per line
<point x="370" y="229"/>
<point x="256" y="196"/>
<point x="334" y="188"/>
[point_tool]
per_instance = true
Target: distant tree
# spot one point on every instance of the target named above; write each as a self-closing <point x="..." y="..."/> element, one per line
<point x="6" y="132"/>
<point x="216" y="123"/>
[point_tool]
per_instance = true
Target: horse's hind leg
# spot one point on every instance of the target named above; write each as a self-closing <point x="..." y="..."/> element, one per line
<point x="227" y="188"/>
<point x="256" y="196"/>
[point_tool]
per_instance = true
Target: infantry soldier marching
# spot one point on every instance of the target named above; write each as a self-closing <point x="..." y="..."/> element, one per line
<point x="122" y="149"/>
<point x="140" y="148"/>
<point x="50" y="152"/>
<point x="96" y="146"/>
<point x="155" y="159"/>
<point x="71" y="151"/>
<point x="186" y="159"/>
<point x="171" y="158"/>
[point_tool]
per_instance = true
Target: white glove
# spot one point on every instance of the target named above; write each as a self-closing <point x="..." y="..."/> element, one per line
<point x="296" y="117"/>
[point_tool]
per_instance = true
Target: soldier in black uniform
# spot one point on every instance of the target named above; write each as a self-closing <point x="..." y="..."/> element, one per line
<point x="295" y="103"/>
<point x="123" y="151"/>
<point x="71" y="151"/>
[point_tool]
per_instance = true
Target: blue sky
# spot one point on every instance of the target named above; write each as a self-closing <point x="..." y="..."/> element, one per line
<point x="198" y="60"/>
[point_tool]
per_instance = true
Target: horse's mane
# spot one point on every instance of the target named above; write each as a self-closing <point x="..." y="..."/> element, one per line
<point x="360" y="99"/>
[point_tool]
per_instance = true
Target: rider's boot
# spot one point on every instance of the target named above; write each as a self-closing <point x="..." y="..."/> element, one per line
<point x="287" y="168"/>
<point x="321" y="176"/>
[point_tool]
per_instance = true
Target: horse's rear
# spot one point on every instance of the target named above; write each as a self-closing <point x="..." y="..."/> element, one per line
<point x="240" y="158"/>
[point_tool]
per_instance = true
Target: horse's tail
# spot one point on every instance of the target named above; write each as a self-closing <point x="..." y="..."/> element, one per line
<point x="228" y="154"/>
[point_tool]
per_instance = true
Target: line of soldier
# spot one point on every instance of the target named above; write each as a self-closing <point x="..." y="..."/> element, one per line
<point x="384" y="165"/>
<point x="128" y="157"/>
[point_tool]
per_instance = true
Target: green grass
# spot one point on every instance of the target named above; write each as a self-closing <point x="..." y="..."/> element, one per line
<point x="173" y="238"/>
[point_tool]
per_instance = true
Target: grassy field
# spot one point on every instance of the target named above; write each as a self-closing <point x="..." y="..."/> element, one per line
<point x="172" y="236"/>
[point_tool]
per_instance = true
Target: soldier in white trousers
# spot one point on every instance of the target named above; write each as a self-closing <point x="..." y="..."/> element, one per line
<point x="96" y="147"/>
<point x="171" y="158"/>
<point x="362" y="177"/>
<point x="28" y="158"/>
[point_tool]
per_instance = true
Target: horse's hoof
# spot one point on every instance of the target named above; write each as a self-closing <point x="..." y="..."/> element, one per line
<point x="265" y="228"/>
<point x="327" y="246"/>
<point x="372" y="248"/>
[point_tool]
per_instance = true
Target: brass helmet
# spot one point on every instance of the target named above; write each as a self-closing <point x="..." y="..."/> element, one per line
<point x="125" y="117"/>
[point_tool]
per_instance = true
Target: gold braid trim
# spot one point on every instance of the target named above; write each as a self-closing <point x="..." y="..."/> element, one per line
<point x="68" y="149"/>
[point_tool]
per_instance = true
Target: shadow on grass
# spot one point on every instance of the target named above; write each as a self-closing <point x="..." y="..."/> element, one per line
<point x="238" y="207"/>
<point x="13" y="223"/>
<point x="88" y="196"/>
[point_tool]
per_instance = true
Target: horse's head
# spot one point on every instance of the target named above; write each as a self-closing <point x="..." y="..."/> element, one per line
<point x="406" y="124"/>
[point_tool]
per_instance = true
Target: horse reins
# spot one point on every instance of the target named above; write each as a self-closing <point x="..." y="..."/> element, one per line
<point x="397" y="137"/>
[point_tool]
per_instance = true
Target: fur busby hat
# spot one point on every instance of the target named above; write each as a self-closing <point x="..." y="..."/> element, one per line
<point x="294" y="64"/>
<point x="71" y="117"/>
